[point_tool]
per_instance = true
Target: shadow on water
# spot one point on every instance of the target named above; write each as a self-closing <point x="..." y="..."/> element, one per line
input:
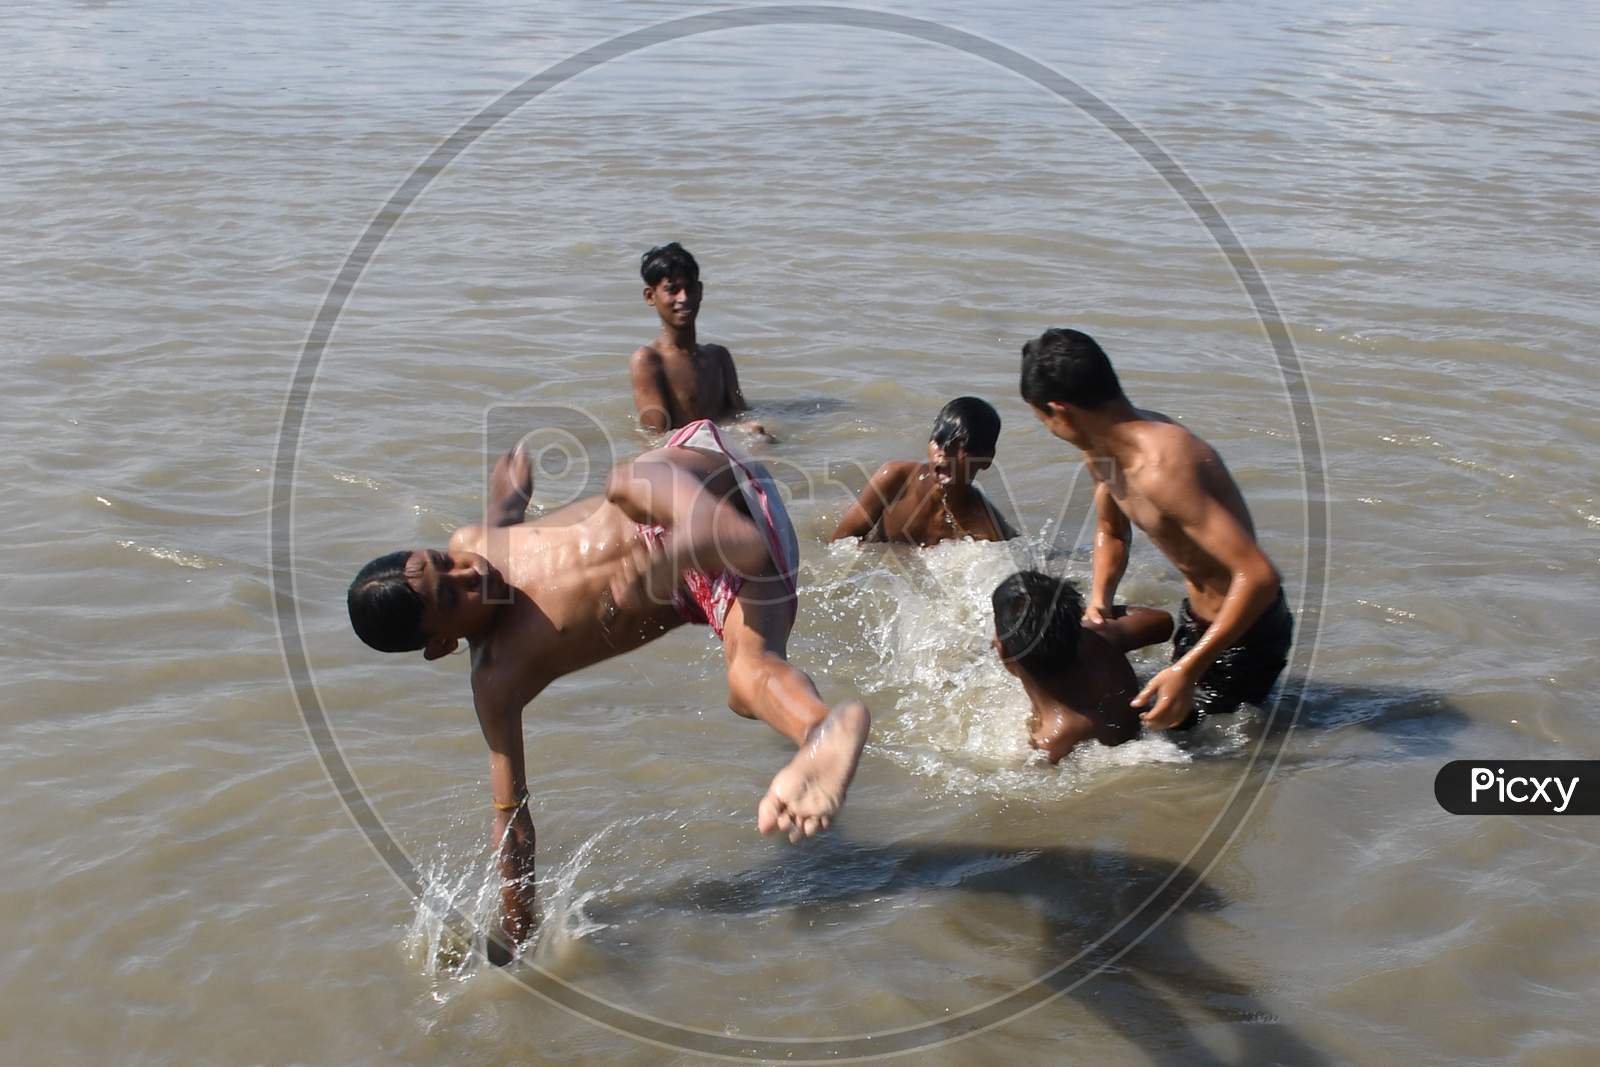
<point x="1158" y="996"/>
<point x="1413" y="722"/>
<point x="799" y="407"/>
<point x="1422" y="721"/>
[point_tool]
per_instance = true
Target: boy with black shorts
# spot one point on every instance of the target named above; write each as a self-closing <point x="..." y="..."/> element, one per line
<point x="1235" y="630"/>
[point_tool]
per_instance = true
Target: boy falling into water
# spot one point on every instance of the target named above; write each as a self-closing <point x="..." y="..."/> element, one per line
<point x="1077" y="678"/>
<point x="925" y="503"/>
<point x="1235" y="629"/>
<point x="690" y="532"/>
<point x="676" y="379"/>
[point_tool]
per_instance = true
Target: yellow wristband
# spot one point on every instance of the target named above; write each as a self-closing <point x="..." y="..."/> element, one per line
<point x="523" y="799"/>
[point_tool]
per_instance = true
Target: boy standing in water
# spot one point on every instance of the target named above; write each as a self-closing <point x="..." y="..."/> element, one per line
<point x="1077" y="679"/>
<point x="925" y="503"/>
<point x="1235" y="629"/>
<point x="676" y="379"/>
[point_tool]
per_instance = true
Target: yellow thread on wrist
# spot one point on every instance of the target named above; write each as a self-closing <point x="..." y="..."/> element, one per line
<point x="523" y="799"/>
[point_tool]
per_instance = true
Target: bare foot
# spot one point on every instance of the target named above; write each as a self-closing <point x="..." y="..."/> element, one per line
<point x="806" y="794"/>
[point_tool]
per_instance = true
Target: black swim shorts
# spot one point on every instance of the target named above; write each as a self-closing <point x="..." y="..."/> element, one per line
<point x="1243" y="674"/>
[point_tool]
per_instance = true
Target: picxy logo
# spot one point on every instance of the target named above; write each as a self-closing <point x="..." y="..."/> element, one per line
<point x="1522" y="790"/>
<point x="1519" y="787"/>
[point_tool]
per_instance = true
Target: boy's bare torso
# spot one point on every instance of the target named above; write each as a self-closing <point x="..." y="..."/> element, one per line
<point x="1185" y="474"/>
<point x="694" y="385"/>
<point x="579" y="595"/>
<point x="921" y="512"/>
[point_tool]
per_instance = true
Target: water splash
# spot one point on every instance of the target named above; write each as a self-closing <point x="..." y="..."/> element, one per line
<point x="945" y="708"/>
<point x="469" y="884"/>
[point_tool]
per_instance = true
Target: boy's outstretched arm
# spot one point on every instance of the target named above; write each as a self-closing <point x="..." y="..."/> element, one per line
<point x="501" y="722"/>
<point x="879" y="492"/>
<point x="1112" y="535"/>
<point x="649" y="389"/>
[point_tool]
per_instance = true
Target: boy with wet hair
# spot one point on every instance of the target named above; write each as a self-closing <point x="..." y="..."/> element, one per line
<point x="1077" y="678"/>
<point x="676" y="379"/>
<point x="1234" y="630"/>
<point x="925" y="503"/>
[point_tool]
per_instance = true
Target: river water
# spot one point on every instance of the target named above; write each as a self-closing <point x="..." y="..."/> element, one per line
<point x="881" y="223"/>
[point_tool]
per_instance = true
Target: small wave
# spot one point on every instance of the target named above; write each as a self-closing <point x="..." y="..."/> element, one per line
<point x="361" y="480"/>
<point x="192" y="560"/>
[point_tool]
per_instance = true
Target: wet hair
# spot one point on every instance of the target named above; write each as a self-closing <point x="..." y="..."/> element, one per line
<point x="1037" y="618"/>
<point x="1069" y="367"/>
<point x="668" y="261"/>
<point x="967" y="423"/>
<point x="385" y="611"/>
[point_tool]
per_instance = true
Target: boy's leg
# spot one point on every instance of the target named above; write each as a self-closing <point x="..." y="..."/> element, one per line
<point x="762" y="684"/>
<point x="1244" y="673"/>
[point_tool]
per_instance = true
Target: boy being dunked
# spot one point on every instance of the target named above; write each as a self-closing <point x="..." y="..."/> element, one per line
<point x="1234" y="629"/>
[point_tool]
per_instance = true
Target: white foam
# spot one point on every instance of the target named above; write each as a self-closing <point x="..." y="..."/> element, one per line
<point x="956" y="715"/>
<point x="470" y="884"/>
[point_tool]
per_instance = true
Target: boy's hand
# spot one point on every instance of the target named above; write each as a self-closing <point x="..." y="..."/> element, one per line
<point x="758" y="433"/>
<point x="1096" y="616"/>
<point x="1172" y="691"/>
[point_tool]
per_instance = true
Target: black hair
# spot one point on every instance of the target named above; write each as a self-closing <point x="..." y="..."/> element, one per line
<point x="1037" y="619"/>
<point x="385" y="611"/>
<point x="967" y="423"/>
<point x="668" y="261"/>
<point x="1069" y="367"/>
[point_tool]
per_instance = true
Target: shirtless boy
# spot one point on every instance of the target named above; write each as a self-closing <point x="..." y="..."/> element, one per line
<point x="925" y="503"/>
<point x="1235" y="629"/>
<point x="676" y="379"/>
<point x="1077" y="678"/>
<point x="687" y="532"/>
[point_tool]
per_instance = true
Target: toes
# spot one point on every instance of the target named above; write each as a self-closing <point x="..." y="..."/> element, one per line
<point x="767" y="814"/>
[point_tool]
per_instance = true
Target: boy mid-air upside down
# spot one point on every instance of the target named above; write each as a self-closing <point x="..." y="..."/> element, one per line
<point x="688" y="532"/>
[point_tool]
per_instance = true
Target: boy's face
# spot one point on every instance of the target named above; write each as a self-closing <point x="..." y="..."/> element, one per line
<point x="676" y="300"/>
<point x="457" y="589"/>
<point x="957" y="465"/>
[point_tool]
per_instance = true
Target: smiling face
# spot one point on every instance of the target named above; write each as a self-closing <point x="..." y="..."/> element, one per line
<point x="459" y="590"/>
<point x="676" y="300"/>
<point x="956" y="466"/>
